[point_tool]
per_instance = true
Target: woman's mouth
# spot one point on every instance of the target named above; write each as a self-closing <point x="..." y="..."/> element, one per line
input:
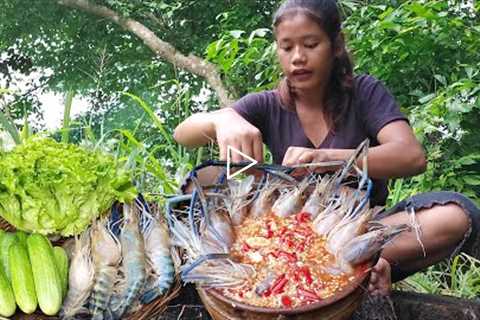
<point x="301" y="74"/>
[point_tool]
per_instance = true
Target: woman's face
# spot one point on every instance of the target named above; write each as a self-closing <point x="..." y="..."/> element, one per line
<point x="305" y="52"/>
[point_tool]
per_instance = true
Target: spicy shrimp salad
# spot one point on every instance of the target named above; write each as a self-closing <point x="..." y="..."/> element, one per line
<point x="277" y="242"/>
<point x="288" y="257"/>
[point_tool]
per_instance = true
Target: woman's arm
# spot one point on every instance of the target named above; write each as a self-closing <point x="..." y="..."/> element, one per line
<point x="398" y="155"/>
<point x="226" y="127"/>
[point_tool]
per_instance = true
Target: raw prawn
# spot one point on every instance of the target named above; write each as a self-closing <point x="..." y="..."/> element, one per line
<point x="106" y="254"/>
<point x="237" y="202"/>
<point x="157" y="250"/>
<point x="80" y="279"/>
<point x="263" y="203"/>
<point x="362" y="248"/>
<point x="291" y="201"/>
<point x="133" y="262"/>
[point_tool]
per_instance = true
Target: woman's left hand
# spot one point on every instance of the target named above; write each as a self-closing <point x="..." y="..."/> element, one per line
<point x="380" y="278"/>
<point x="299" y="155"/>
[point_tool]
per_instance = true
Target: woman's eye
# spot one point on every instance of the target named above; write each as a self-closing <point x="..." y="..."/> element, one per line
<point x="311" y="45"/>
<point x="286" y="48"/>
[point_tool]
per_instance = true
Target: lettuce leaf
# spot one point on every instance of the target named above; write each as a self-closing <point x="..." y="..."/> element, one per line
<point x="57" y="188"/>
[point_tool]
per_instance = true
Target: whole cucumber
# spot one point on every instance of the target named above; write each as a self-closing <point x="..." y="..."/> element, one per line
<point x="6" y="241"/>
<point x="47" y="280"/>
<point x="7" y="299"/>
<point x="22" y="278"/>
<point x="61" y="260"/>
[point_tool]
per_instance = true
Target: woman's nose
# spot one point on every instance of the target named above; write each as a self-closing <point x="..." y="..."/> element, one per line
<point x="298" y="56"/>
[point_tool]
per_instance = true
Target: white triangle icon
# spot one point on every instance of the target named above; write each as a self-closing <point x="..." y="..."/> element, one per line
<point x="229" y="160"/>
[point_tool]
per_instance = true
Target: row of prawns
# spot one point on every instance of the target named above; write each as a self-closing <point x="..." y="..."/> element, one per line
<point x="340" y="213"/>
<point x="119" y="264"/>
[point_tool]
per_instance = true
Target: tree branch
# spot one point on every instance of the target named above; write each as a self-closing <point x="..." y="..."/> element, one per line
<point x="191" y="63"/>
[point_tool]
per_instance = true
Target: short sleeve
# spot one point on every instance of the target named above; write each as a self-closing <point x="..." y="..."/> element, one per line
<point x="254" y="108"/>
<point x="377" y="105"/>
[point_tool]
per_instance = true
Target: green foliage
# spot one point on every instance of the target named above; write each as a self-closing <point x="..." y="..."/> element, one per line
<point x="462" y="278"/>
<point x="247" y="60"/>
<point x="427" y="53"/>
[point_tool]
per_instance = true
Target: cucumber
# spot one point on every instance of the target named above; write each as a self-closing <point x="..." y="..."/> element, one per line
<point x="7" y="299"/>
<point x="22" y="278"/>
<point x="61" y="260"/>
<point x="6" y="241"/>
<point x="46" y="277"/>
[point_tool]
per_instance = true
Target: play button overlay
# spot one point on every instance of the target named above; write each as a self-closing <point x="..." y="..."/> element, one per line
<point x="229" y="160"/>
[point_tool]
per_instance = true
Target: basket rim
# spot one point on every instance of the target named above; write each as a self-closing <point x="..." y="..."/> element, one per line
<point x="361" y="277"/>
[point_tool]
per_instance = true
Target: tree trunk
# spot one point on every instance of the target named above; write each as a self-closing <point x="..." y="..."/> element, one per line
<point x="191" y="63"/>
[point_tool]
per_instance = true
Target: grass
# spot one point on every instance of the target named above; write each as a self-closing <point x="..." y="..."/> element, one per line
<point x="460" y="277"/>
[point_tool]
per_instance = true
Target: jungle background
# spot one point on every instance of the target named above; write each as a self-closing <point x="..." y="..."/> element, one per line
<point x="142" y="66"/>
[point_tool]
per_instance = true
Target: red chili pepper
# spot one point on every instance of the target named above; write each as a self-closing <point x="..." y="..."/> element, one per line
<point x="274" y="253"/>
<point x="279" y="284"/>
<point x="291" y="257"/>
<point x="307" y="294"/>
<point x="300" y="247"/>
<point x="286" y="301"/>
<point x="246" y="247"/>
<point x="267" y="293"/>
<point x="282" y="231"/>
<point x="289" y="243"/>
<point x="302" y="217"/>
<point x="305" y="273"/>
<point x="296" y="276"/>
<point x="269" y="234"/>
<point x="303" y="232"/>
<point x="308" y="277"/>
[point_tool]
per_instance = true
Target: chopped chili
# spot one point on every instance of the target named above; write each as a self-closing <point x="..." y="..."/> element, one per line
<point x="302" y="217"/>
<point x="279" y="284"/>
<point x="307" y="294"/>
<point x="286" y="301"/>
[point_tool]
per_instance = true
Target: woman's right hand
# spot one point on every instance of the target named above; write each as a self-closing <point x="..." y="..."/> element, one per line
<point x="233" y="130"/>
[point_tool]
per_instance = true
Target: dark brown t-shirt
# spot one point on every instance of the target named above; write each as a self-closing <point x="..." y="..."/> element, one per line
<point x="373" y="107"/>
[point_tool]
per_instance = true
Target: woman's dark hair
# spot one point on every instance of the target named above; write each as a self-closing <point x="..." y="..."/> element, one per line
<point x="340" y="90"/>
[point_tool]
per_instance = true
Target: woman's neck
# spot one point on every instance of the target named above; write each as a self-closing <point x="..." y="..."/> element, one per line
<point x="311" y="99"/>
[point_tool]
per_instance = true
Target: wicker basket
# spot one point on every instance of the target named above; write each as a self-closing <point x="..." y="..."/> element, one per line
<point x="149" y="311"/>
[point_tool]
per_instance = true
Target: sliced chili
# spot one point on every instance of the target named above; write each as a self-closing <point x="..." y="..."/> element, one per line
<point x="307" y="294"/>
<point x="279" y="284"/>
<point x="246" y="247"/>
<point x="302" y="217"/>
<point x="286" y="301"/>
<point x="291" y="257"/>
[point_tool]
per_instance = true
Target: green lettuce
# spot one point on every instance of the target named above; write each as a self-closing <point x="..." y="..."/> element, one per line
<point x="57" y="188"/>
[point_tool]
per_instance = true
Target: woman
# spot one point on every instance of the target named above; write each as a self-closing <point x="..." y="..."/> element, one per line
<point x="321" y="112"/>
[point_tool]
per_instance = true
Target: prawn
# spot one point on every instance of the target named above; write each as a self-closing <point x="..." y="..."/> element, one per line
<point x="106" y="254"/>
<point x="237" y="202"/>
<point x="290" y="202"/>
<point x="263" y="203"/>
<point x="80" y="279"/>
<point x="362" y="248"/>
<point x="157" y="250"/>
<point x="316" y="202"/>
<point x="133" y="263"/>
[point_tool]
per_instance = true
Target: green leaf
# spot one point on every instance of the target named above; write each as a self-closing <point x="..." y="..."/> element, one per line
<point x="441" y="79"/>
<point x="472" y="180"/>
<point x="10" y="128"/>
<point x="427" y="98"/>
